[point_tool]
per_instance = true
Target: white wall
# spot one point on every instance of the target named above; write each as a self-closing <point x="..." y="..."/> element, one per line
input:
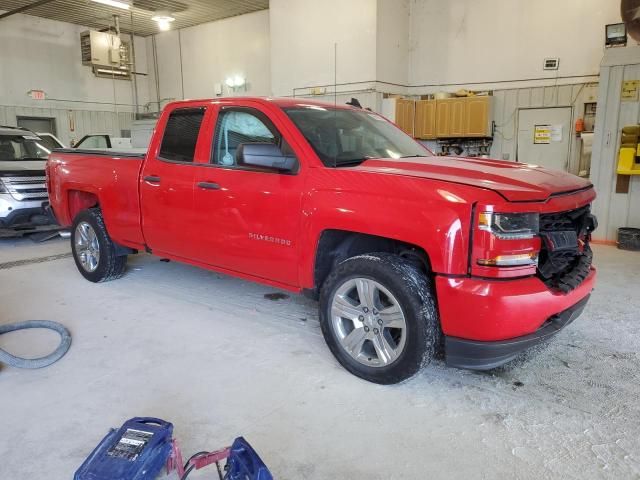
<point x="303" y="34"/>
<point x="192" y="60"/>
<point x="614" y="210"/>
<point x="234" y="46"/>
<point x="474" y="41"/>
<point x="44" y="54"/>
<point x="392" y="43"/>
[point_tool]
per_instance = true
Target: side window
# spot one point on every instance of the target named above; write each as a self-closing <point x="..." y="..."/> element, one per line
<point x="93" y="141"/>
<point x="236" y="127"/>
<point x="181" y="134"/>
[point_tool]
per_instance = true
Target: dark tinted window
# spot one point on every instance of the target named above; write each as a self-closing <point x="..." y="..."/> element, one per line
<point x="22" y="147"/>
<point x="181" y="134"/>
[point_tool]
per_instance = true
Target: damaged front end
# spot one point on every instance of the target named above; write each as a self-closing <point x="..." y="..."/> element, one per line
<point x="565" y="257"/>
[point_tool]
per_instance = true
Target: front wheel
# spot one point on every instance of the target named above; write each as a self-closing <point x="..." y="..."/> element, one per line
<point x="378" y="317"/>
<point x="93" y="250"/>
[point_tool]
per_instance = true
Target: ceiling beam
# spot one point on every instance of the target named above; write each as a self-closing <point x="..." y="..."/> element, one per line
<point x="25" y="8"/>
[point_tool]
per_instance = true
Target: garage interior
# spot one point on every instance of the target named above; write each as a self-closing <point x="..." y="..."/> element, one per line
<point x="553" y="84"/>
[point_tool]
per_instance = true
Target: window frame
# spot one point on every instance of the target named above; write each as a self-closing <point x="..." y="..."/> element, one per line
<point x="201" y="108"/>
<point x="268" y="123"/>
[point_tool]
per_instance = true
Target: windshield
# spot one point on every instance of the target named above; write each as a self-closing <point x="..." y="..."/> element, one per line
<point x="48" y="142"/>
<point x="348" y="137"/>
<point x="22" y="147"/>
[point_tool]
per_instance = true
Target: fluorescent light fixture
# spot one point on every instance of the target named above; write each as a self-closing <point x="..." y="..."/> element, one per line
<point x="163" y="19"/>
<point x="114" y="3"/>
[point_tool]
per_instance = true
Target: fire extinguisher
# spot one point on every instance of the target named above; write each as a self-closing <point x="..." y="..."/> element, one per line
<point x="579" y="126"/>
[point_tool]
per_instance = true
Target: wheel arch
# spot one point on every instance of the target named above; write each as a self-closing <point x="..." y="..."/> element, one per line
<point x="336" y="245"/>
<point x="79" y="200"/>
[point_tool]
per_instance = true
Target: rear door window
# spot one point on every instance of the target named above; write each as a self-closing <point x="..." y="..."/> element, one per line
<point x="181" y="135"/>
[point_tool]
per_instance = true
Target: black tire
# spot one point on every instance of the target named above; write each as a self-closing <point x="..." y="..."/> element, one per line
<point x="414" y="293"/>
<point x="110" y="266"/>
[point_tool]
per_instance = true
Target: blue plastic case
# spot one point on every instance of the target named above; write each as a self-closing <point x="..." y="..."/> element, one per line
<point x="136" y="451"/>
<point x="245" y="464"/>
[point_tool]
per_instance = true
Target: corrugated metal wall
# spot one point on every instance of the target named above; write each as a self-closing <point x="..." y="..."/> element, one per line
<point x="508" y="102"/>
<point x="613" y="209"/>
<point x="81" y="121"/>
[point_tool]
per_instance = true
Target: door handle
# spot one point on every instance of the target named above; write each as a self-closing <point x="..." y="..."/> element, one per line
<point x="209" y="185"/>
<point x="152" y="179"/>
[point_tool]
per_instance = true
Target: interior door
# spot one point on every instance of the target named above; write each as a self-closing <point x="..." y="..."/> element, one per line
<point x="38" y="124"/>
<point x="166" y="184"/>
<point x="544" y="136"/>
<point x="250" y="218"/>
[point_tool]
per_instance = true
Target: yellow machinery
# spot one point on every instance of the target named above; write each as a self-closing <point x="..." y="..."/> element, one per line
<point x="629" y="153"/>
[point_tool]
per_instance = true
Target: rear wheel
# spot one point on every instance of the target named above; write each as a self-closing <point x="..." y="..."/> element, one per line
<point x="378" y="316"/>
<point x="93" y="250"/>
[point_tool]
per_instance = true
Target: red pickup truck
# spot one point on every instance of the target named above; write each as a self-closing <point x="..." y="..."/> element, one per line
<point x="408" y="253"/>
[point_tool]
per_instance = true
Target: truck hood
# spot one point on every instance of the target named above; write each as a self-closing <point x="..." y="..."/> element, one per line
<point x="14" y="166"/>
<point x="517" y="182"/>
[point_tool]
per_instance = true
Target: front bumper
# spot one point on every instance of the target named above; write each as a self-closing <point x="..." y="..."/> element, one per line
<point x="488" y="322"/>
<point x="488" y="310"/>
<point x="16" y="214"/>
<point x="476" y="355"/>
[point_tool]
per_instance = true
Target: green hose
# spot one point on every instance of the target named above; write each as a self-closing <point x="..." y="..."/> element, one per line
<point x="57" y="354"/>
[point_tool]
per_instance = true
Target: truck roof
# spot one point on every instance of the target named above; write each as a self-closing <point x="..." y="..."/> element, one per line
<point x="279" y="101"/>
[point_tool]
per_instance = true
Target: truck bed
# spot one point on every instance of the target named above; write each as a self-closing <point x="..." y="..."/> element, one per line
<point x="77" y="178"/>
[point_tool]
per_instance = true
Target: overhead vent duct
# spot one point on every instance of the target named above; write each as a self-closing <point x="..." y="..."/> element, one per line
<point x="106" y="54"/>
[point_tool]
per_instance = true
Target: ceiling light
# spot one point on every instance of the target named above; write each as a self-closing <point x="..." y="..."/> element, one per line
<point x="114" y="3"/>
<point x="235" y="82"/>
<point x="164" y="19"/>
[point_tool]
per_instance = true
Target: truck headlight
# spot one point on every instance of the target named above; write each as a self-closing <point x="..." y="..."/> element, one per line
<point x="510" y="226"/>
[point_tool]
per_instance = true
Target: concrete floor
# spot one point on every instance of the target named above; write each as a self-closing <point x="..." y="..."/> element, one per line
<point x="211" y="354"/>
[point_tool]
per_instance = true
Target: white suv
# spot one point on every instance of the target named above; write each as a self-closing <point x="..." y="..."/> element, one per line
<point x="23" y="191"/>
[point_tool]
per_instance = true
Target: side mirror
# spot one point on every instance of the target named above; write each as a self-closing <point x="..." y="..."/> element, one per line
<point x="265" y="155"/>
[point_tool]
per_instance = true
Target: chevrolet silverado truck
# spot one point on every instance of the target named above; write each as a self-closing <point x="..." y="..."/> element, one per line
<point x="23" y="155"/>
<point x="408" y="253"/>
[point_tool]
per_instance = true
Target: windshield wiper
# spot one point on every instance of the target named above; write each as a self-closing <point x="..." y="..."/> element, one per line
<point x="413" y="156"/>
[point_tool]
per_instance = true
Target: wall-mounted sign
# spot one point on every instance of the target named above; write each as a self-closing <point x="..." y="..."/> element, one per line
<point x="556" y="133"/>
<point x="630" y="90"/>
<point x="37" y="94"/>
<point x="542" y="134"/>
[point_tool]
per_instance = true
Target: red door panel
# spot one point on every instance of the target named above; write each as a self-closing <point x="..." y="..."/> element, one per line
<point x="249" y="220"/>
<point x="251" y="223"/>
<point x="167" y="182"/>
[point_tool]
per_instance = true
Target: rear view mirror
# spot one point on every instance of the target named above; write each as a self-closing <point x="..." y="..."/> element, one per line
<point x="265" y="155"/>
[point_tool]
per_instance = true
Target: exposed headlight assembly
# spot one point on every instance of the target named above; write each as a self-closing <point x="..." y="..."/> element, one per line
<point x="510" y="226"/>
